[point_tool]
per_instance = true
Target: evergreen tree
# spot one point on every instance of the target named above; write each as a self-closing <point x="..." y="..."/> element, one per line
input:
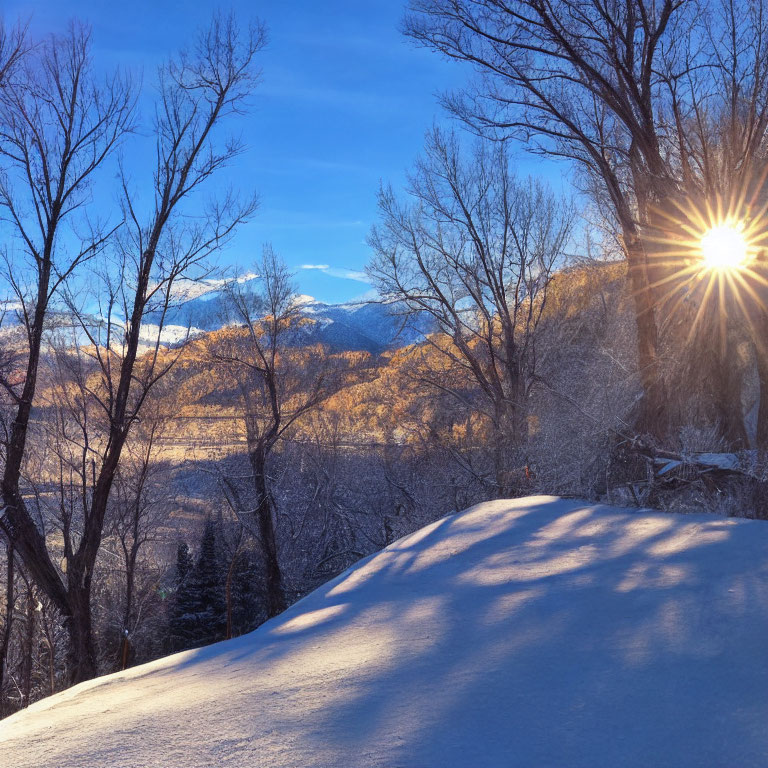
<point x="207" y="582"/>
<point x="199" y="611"/>
<point x="248" y="594"/>
<point x="180" y="604"/>
<point x="183" y="564"/>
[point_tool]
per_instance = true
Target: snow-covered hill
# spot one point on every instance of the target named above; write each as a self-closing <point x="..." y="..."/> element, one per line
<point x="535" y="632"/>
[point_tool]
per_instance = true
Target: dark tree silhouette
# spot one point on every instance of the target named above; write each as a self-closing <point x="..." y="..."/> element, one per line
<point x="199" y="615"/>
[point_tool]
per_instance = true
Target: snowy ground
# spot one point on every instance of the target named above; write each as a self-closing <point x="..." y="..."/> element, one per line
<point x="536" y="632"/>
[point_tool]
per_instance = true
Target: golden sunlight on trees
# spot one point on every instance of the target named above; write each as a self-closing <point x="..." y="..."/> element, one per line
<point x="657" y="106"/>
<point x="474" y="248"/>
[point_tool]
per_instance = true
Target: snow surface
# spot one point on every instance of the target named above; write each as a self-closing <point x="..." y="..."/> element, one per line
<point x="185" y="289"/>
<point x="170" y="334"/>
<point x="534" y="632"/>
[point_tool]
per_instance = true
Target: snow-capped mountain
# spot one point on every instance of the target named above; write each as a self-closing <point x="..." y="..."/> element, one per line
<point x="355" y="326"/>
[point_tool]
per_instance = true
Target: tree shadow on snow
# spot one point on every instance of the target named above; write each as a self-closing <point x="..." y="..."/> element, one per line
<point x="551" y="634"/>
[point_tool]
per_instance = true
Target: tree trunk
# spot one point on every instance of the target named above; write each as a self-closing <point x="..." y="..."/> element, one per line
<point x="28" y="649"/>
<point x="81" y="653"/>
<point x="125" y="650"/>
<point x="762" y="373"/>
<point x="51" y="642"/>
<point x="28" y="542"/>
<point x="10" y="604"/>
<point x="728" y="398"/>
<point x="267" y="537"/>
<point x="275" y="595"/>
<point x="652" y="417"/>
<point x="130" y="580"/>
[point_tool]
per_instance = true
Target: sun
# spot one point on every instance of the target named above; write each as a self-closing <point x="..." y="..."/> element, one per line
<point x="708" y="257"/>
<point x="724" y="247"/>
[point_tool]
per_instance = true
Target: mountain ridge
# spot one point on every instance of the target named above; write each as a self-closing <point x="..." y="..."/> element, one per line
<point x="369" y="326"/>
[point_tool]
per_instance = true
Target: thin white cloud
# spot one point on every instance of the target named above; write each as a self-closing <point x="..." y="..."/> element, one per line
<point x="348" y="274"/>
<point x="365" y="298"/>
<point x="344" y="274"/>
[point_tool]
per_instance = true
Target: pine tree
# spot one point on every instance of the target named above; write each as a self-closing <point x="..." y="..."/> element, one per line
<point x="248" y="594"/>
<point x="199" y="612"/>
<point x="207" y="582"/>
<point x="183" y="564"/>
<point x="180" y="605"/>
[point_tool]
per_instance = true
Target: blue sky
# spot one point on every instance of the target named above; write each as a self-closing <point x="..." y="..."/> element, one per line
<point x="344" y="103"/>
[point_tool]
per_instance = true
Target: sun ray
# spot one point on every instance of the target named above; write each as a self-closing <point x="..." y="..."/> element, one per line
<point x="710" y="255"/>
<point x="701" y="309"/>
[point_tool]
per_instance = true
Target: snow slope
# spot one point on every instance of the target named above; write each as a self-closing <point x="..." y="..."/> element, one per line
<point x="535" y="632"/>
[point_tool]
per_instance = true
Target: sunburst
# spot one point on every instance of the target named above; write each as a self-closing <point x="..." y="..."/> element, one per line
<point x="710" y="255"/>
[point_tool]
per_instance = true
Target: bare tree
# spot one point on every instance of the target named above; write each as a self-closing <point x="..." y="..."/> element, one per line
<point x="197" y="91"/>
<point x="474" y="248"/>
<point x="9" y="608"/>
<point x="656" y="102"/>
<point x="14" y="46"/>
<point x="138" y="507"/>
<point x="278" y="385"/>
<point x="573" y="80"/>
<point x="57" y="127"/>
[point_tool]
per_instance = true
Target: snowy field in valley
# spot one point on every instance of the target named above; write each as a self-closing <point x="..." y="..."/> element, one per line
<point x="535" y="632"/>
